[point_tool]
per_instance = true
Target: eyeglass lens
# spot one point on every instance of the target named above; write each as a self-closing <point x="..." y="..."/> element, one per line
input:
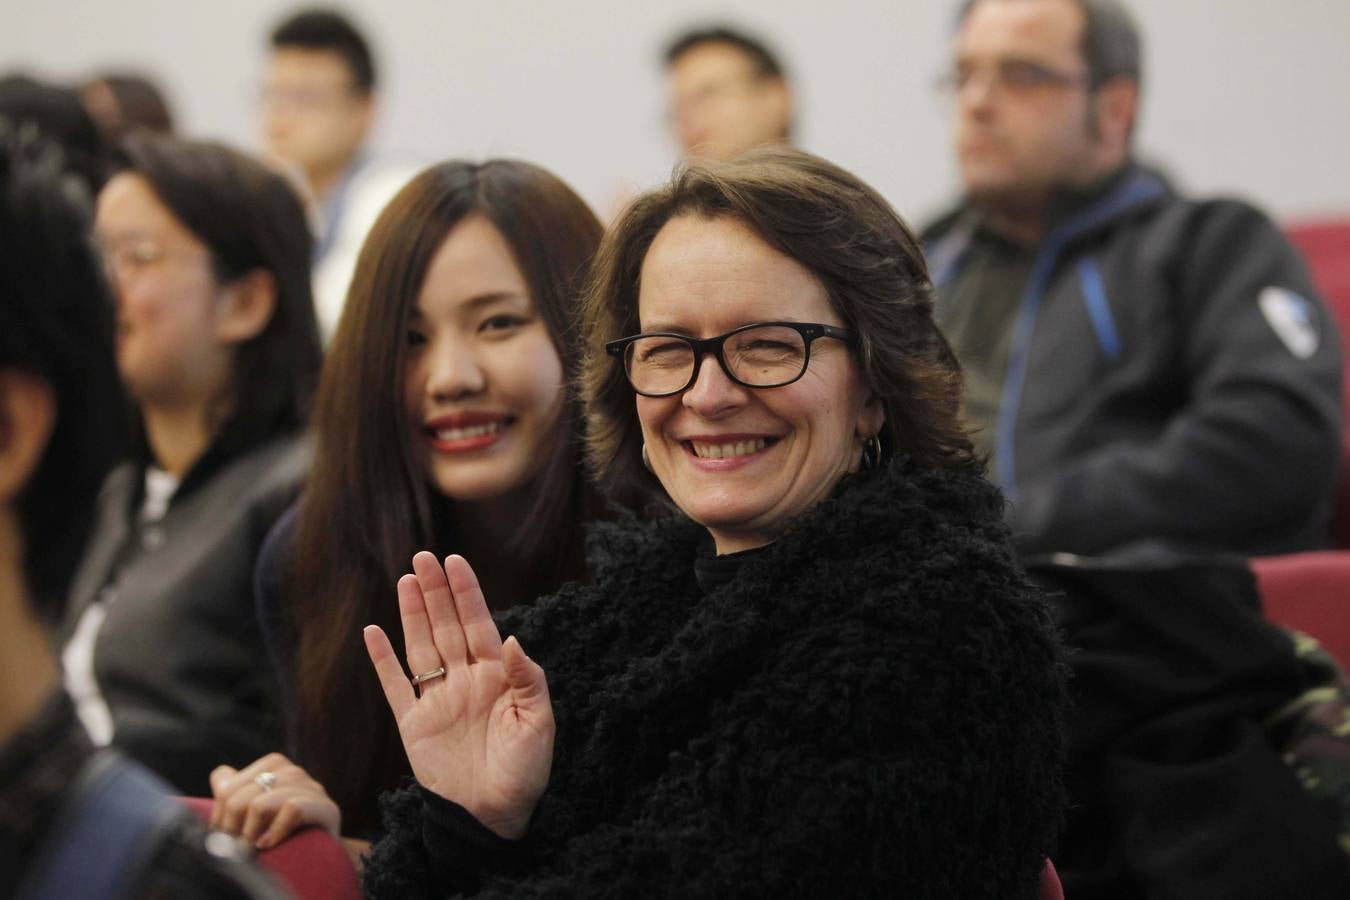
<point x="765" y="356"/>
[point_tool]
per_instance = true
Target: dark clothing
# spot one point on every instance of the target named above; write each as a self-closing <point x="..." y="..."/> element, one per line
<point x="981" y="317"/>
<point x="180" y="657"/>
<point x="1173" y="382"/>
<point x="41" y="771"/>
<point x="1182" y="757"/>
<point x="713" y="571"/>
<point x="871" y="706"/>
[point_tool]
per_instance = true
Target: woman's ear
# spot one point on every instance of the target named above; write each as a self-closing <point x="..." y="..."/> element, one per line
<point x="247" y="305"/>
<point x="27" y="416"/>
<point x="871" y="418"/>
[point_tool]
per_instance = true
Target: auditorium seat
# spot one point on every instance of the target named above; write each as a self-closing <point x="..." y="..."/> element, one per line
<point x="311" y="863"/>
<point x="1309" y="592"/>
<point x="1325" y="246"/>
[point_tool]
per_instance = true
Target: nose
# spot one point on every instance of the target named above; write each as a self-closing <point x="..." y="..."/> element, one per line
<point x="713" y="394"/>
<point x="453" y="371"/>
<point x="976" y="95"/>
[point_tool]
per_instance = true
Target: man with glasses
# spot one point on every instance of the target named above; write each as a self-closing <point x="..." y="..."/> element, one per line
<point x="728" y="93"/>
<point x="1149" y="374"/>
<point x="318" y="109"/>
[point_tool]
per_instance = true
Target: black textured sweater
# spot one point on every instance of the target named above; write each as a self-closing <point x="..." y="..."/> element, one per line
<point x="871" y="706"/>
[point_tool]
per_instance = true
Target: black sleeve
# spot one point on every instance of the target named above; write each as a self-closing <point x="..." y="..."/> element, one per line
<point x="269" y="577"/>
<point x="1254" y="454"/>
<point x="860" y="758"/>
<point x="434" y="847"/>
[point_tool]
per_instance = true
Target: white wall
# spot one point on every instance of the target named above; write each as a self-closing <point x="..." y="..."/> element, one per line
<point x="1243" y="96"/>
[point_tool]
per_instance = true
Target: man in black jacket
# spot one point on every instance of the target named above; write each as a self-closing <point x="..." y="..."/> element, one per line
<point x="1150" y="375"/>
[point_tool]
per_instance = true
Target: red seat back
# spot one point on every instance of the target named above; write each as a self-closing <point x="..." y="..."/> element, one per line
<point x="311" y="862"/>
<point x="1325" y="247"/>
<point x="1309" y="592"/>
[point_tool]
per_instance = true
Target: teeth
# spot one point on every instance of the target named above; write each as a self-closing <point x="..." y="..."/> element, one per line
<point x="727" y="451"/>
<point x="463" y="434"/>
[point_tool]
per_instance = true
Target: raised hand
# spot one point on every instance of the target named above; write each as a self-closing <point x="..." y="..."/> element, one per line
<point x="481" y="734"/>
<point x="266" y="801"/>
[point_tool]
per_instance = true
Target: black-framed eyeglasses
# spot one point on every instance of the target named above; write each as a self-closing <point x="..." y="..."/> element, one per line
<point x="761" y="355"/>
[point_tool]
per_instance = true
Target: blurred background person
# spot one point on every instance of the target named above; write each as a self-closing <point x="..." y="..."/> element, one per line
<point x="728" y="92"/>
<point x="208" y="253"/>
<point x="318" y="110"/>
<point x="56" y="113"/>
<point x="1149" y="374"/>
<point x="121" y="102"/>
<point x="61" y="424"/>
<point x="1158" y="388"/>
<point x="443" y="420"/>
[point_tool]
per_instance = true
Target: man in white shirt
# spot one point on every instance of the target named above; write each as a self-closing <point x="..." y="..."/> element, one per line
<point x="318" y="109"/>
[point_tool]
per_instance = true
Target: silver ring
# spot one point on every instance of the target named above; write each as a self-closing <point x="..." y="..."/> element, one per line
<point x="431" y="675"/>
<point x="266" y="781"/>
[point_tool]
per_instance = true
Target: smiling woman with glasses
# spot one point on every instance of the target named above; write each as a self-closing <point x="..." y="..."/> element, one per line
<point x="812" y="667"/>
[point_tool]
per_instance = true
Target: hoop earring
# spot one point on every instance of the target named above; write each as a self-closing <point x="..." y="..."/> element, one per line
<point x="871" y="451"/>
<point x="646" y="461"/>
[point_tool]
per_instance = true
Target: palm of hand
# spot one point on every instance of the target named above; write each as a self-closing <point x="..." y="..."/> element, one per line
<point x="481" y="735"/>
<point x="468" y="737"/>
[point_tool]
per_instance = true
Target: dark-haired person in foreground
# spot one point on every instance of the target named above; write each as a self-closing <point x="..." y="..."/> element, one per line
<point x="208" y="254"/>
<point x="318" y="111"/>
<point x="728" y="93"/>
<point x="73" y="821"/>
<point x="814" y="669"/>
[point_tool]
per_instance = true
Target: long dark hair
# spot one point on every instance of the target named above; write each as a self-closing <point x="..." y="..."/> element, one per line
<point x="56" y="322"/>
<point x="369" y="505"/>
<point x="249" y="218"/>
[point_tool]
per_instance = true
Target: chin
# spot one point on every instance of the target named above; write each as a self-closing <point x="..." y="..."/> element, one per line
<point x="467" y="487"/>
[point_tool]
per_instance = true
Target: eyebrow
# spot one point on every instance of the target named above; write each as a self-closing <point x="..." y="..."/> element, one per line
<point x="660" y="326"/>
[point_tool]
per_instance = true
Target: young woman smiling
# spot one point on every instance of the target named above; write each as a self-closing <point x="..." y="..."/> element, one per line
<point x="443" y="419"/>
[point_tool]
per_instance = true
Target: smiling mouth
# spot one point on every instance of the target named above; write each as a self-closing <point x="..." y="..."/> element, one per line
<point x="729" y="450"/>
<point x="467" y="437"/>
<point x="469" y="432"/>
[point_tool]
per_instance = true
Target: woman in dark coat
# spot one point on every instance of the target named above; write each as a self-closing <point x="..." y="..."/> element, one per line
<point x="815" y="668"/>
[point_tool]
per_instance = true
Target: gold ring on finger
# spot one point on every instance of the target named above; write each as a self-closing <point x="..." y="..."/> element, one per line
<point x="429" y="675"/>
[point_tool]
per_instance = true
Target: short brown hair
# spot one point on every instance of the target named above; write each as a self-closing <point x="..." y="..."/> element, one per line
<point x="868" y="260"/>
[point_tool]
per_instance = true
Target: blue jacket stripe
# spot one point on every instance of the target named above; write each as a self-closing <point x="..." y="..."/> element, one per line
<point x="1099" y="311"/>
<point x="1139" y="189"/>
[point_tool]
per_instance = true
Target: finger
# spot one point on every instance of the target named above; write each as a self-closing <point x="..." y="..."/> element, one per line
<point x="238" y="788"/>
<point x="261" y="810"/>
<point x="418" y="641"/>
<point x="299" y="812"/>
<point x="529" y="685"/>
<point x="397" y="691"/>
<point x="219" y="780"/>
<point x="441" y="613"/>
<point x="480" y="632"/>
<point x="234" y="808"/>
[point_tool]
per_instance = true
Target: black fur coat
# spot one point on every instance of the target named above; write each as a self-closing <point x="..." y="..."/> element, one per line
<point x="871" y="707"/>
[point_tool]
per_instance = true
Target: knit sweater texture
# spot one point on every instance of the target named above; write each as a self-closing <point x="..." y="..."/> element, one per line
<point x="872" y="706"/>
